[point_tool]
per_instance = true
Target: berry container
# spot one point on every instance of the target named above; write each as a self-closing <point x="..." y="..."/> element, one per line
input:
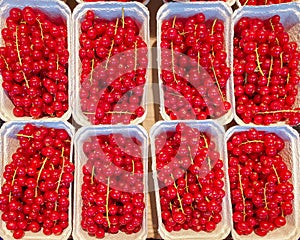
<point x="291" y="138"/>
<point x="145" y="2"/>
<point x="229" y="2"/>
<point x="216" y="133"/>
<point x="290" y="18"/>
<point x="9" y="144"/>
<point x="239" y="4"/>
<point x="54" y="8"/>
<point x="211" y="10"/>
<point x="82" y="135"/>
<point x="107" y="10"/>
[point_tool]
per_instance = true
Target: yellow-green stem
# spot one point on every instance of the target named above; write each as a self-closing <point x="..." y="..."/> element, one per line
<point x="39" y="176"/>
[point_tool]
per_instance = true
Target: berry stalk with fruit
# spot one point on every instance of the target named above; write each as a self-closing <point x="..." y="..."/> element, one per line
<point x="34" y="63"/>
<point x="35" y="193"/>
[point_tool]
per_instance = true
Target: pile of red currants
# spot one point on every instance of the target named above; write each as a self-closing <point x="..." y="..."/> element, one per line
<point x="35" y="194"/>
<point x="112" y="190"/>
<point x="114" y="64"/>
<point x="191" y="179"/>
<point x="194" y="68"/>
<point x="266" y="75"/>
<point x="34" y="63"/>
<point x="260" y="182"/>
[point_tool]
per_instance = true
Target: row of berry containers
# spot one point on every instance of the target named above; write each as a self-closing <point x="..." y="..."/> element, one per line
<point x="207" y="182"/>
<point x="212" y="63"/>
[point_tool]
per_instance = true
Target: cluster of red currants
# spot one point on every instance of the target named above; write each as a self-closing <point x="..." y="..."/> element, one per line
<point x="266" y="74"/>
<point x="112" y="189"/>
<point x="191" y="180"/>
<point x="261" y="191"/>
<point x="114" y="66"/>
<point x="262" y="2"/>
<point x="193" y="67"/>
<point x="35" y="194"/>
<point x="34" y="63"/>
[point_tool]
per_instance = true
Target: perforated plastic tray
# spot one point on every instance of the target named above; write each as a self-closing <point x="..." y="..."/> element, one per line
<point x="53" y="8"/>
<point x="107" y="10"/>
<point x="290" y="18"/>
<point x="211" y="10"/>
<point x="80" y="159"/>
<point x="291" y="156"/>
<point x="216" y="133"/>
<point x="9" y="144"/>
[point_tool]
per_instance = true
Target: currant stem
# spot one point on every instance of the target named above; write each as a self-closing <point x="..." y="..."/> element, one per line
<point x="106" y="204"/>
<point x="92" y="70"/>
<point x="133" y="167"/>
<point x="120" y="112"/>
<point x="123" y="17"/>
<point x="6" y="64"/>
<point x="281" y="60"/>
<point x="12" y="183"/>
<point x="186" y="185"/>
<point x="252" y="141"/>
<point x="258" y="62"/>
<point x="280" y="111"/>
<point x="242" y="191"/>
<point x="93" y="175"/>
<point x="270" y="71"/>
<point x="265" y="197"/>
<point x="198" y="61"/>
<point x="112" y="44"/>
<point x="41" y="28"/>
<point x="191" y="157"/>
<point x="217" y="82"/>
<point x="276" y="173"/>
<point x="23" y="135"/>
<point x="272" y="26"/>
<point x="172" y="53"/>
<point x="57" y="61"/>
<point x="178" y="196"/>
<point x="212" y="33"/>
<point x="39" y="175"/>
<point x="135" y="56"/>
<point x="62" y="169"/>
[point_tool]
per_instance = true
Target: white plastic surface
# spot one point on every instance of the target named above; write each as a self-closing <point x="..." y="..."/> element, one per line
<point x="80" y="159"/>
<point x="9" y="144"/>
<point x="107" y="10"/>
<point x="145" y="2"/>
<point x="52" y="8"/>
<point x="290" y="18"/>
<point x="228" y="2"/>
<point x="216" y="132"/>
<point x="211" y="10"/>
<point x="291" y="156"/>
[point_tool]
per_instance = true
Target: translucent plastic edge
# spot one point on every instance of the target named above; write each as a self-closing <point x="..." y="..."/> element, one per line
<point x="293" y="134"/>
<point x="201" y="7"/>
<point x="36" y="4"/>
<point x="107" y="129"/>
<point x="219" y="131"/>
<point x="6" y="234"/>
<point x="80" y="9"/>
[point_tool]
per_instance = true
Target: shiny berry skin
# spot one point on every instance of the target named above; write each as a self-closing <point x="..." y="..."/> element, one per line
<point x="191" y="179"/>
<point x="36" y="188"/>
<point x="258" y="202"/>
<point x="34" y="62"/>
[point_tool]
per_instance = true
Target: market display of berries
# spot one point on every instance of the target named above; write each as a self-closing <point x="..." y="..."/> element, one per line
<point x="191" y="179"/>
<point x="114" y="66"/>
<point x="34" y="63"/>
<point x="260" y="182"/>
<point x="35" y="194"/>
<point x="266" y="76"/>
<point x="262" y="2"/>
<point x="112" y="190"/>
<point x="194" y="71"/>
